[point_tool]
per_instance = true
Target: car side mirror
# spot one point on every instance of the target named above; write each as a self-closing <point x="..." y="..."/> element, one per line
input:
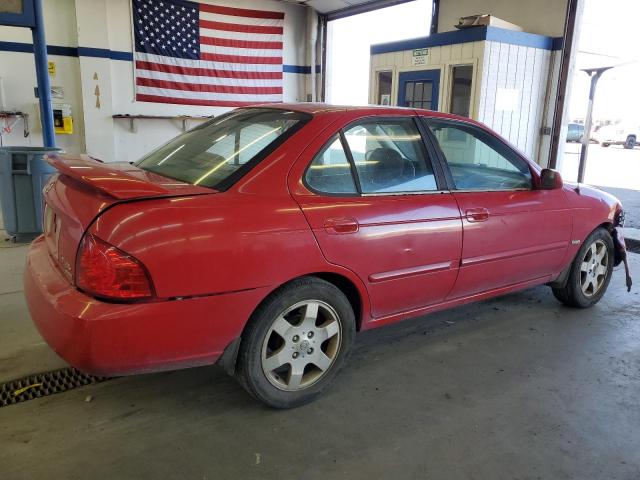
<point x="550" y="179"/>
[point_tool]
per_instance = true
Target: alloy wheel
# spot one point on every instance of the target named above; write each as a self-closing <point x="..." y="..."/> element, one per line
<point x="594" y="268"/>
<point x="301" y="345"/>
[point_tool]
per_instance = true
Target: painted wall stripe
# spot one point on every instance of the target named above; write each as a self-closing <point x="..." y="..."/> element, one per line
<point x="466" y="35"/>
<point x="303" y="69"/>
<point x="21" y="47"/>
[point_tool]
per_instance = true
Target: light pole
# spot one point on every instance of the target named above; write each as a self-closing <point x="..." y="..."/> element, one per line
<point x="595" y="74"/>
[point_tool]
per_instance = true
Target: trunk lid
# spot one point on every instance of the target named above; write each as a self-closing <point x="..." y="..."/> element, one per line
<point x="84" y="188"/>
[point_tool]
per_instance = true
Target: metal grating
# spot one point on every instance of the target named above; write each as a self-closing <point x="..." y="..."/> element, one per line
<point x="44" y="384"/>
<point x="632" y="244"/>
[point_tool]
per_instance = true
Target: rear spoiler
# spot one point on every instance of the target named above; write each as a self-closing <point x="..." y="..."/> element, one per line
<point x="121" y="180"/>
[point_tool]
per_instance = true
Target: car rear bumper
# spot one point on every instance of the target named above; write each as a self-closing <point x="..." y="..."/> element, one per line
<point x="117" y="339"/>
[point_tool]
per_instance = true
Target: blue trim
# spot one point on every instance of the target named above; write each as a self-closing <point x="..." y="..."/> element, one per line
<point x="432" y="75"/>
<point x="16" y="47"/>
<point x="62" y="51"/>
<point x="25" y="19"/>
<point x="114" y="54"/>
<point x="558" y="43"/>
<point x="105" y="53"/>
<point x="467" y="35"/>
<point x="302" y="69"/>
<point x="519" y="38"/>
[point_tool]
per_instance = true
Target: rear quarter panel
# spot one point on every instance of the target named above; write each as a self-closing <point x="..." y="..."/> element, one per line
<point x="211" y="244"/>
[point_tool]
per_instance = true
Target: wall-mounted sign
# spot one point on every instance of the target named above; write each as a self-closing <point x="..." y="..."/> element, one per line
<point x="56" y="92"/>
<point x="419" y="56"/>
<point x="52" y="69"/>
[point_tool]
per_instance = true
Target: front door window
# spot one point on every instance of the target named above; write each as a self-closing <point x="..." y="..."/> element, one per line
<point x="478" y="160"/>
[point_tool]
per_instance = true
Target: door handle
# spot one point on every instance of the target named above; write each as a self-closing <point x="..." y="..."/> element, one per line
<point x="477" y="215"/>
<point x="341" y="225"/>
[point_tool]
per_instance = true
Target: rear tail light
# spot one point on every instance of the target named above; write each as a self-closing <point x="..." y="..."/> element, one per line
<point x="103" y="270"/>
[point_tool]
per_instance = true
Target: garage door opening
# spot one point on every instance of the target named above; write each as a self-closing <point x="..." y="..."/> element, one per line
<point x="349" y="40"/>
<point x="613" y="159"/>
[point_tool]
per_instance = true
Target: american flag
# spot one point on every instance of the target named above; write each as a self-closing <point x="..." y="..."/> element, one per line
<point x="194" y="53"/>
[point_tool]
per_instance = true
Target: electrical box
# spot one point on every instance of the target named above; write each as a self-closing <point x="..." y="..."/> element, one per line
<point x="62" y="118"/>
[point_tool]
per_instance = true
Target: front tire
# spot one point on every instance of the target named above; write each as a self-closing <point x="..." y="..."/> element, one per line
<point x="590" y="272"/>
<point x="295" y="343"/>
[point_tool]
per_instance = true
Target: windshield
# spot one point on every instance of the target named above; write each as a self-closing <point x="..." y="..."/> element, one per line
<point x="217" y="153"/>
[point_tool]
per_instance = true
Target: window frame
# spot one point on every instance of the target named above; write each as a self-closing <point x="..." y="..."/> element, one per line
<point x="347" y="153"/>
<point x="425" y="120"/>
<point x="452" y="68"/>
<point x="427" y="149"/>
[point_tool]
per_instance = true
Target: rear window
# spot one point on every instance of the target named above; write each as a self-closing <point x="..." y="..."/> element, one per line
<point x="217" y="153"/>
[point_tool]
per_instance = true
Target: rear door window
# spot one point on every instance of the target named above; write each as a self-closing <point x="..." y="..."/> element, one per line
<point x="330" y="172"/>
<point x="390" y="157"/>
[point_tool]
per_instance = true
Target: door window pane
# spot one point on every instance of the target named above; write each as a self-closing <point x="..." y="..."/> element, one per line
<point x="426" y="92"/>
<point x="417" y="96"/>
<point x="461" y="78"/>
<point x="390" y="157"/>
<point x="384" y="88"/>
<point x="330" y="171"/>
<point x="409" y="94"/>
<point x="478" y="160"/>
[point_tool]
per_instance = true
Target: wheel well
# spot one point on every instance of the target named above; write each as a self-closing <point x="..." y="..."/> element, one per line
<point x="606" y="225"/>
<point x="347" y="287"/>
<point x="228" y="359"/>
<point x="560" y="282"/>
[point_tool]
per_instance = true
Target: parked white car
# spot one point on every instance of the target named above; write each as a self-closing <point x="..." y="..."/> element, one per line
<point x="618" y="135"/>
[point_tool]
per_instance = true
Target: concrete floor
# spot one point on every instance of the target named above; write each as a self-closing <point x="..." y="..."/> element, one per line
<point x="22" y="349"/>
<point x="514" y="388"/>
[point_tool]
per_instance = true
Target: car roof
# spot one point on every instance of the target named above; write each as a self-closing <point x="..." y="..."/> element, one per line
<point x="316" y="108"/>
<point x="356" y="111"/>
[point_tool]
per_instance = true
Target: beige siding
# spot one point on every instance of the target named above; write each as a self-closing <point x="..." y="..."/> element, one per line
<point x="441" y="58"/>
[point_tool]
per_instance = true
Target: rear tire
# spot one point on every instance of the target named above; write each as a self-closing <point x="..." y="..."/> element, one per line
<point x="295" y="343"/>
<point x="590" y="272"/>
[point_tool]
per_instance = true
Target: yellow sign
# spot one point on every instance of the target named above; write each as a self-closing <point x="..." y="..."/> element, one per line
<point x="52" y="69"/>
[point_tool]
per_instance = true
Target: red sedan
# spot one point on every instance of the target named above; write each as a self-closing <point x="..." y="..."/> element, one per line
<point x="265" y="238"/>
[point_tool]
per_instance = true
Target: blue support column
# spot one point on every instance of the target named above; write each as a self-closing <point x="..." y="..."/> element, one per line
<point x="42" y="75"/>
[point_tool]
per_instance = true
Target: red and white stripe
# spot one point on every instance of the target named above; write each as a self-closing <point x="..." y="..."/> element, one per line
<point x="240" y="62"/>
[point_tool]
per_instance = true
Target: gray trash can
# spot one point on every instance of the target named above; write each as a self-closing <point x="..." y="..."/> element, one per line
<point x="23" y="174"/>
